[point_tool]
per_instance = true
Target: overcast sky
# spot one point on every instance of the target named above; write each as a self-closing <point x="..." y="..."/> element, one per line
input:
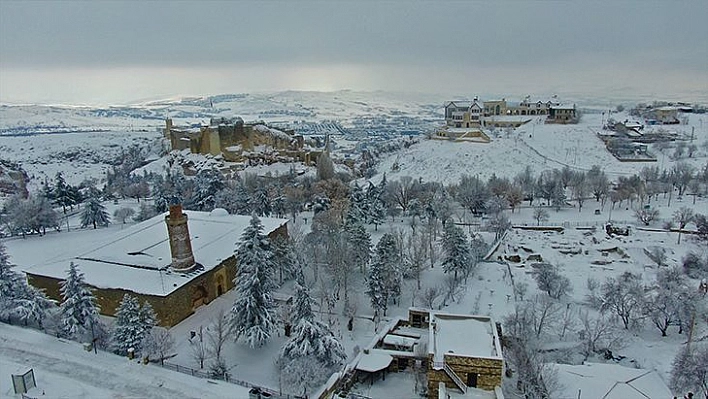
<point x="111" y="52"/>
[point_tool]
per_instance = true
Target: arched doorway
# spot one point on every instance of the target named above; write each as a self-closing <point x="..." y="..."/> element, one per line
<point x="219" y="285"/>
<point x="200" y="296"/>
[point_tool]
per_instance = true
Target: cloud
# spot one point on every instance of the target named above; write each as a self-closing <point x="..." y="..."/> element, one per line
<point x="319" y="44"/>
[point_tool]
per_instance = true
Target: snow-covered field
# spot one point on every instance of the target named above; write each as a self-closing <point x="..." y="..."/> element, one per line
<point x="63" y="369"/>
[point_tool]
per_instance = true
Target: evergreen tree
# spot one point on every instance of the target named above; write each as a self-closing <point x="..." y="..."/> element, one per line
<point x="252" y="316"/>
<point x="17" y="297"/>
<point x="384" y="277"/>
<point x="457" y="250"/>
<point x="147" y="318"/>
<point x="78" y="312"/>
<point x="94" y="213"/>
<point x="128" y="329"/>
<point x="311" y="338"/>
<point x="260" y="203"/>
<point x="63" y="193"/>
<point x="360" y="241"/>
<point x="375" y="205"/>
<point x="284" y="258"/>
<point x="358" y="209"/>
<point x="207" y="184"/>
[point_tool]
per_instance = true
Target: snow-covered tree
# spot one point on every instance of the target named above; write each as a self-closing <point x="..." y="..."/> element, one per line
<point x="551" y="281"/>
<point x="207" y="183"/>
<point x="325" y="166"/>
<point x="310" y="337"/>
<point x="682" y="217"/>
<point x="252" y="315"/>
<point x="623" y="296"/>
<point x="127" y="329"/>
<point x="457" y="258"/>
<point x="132" y="324"/>
<point x="384" y="276"/>
<point x="158" y="343"/>
<point x="63" y="193"/>
<point x="689" y="370"/>
<point x="78" y="312"/>
<point x="540" y="215"/>
<point x="94" y="213"/>
<point x="360" y="241"/>
<point x="284" y="258"/>
<point x="123" y="214"/>
<point x="260" y="203"/>
<point x="17" y="297"/>
<point x="472" y="193"/>
<point x="375" y="204"/>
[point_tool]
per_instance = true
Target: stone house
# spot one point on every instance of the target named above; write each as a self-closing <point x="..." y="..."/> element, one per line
<point x="463" y="351"/>
<point x="176" y="262"/>
<point x="562" y="114"/>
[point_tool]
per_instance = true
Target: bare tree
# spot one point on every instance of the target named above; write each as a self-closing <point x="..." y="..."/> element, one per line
<point x="598" y="333"/>
<point x="690" y="370"/>
<point x="624" y="297"/>
<point x="199" y="347"/>
<point x="646" y="216"/>
<point x="430" y="294"/>
<point x="158" y="342"/>
<point x="416" y="253"/>
<point x="218" y="332"/>
<point x="540" y="215"/>
<point x="550" y="280"/>
<point x="682" y="217"/>
<point x="123" y="214"/>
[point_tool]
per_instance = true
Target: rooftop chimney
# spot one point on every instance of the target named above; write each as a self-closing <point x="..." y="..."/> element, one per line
<point x="180" y="242"/>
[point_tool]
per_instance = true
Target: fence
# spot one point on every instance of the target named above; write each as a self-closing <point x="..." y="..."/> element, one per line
<point x="226" y="378"/>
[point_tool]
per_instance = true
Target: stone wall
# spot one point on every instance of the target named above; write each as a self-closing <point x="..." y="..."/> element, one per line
<point x="489" y="372"/>
<point x="170" y="309"/>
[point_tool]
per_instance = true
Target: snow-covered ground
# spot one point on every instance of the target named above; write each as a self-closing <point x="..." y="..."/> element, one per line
<point x="87" y="154"/>
<point x="63" y="369"/>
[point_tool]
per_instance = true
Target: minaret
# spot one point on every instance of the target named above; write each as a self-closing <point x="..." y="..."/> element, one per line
<point x="180" y="242"/>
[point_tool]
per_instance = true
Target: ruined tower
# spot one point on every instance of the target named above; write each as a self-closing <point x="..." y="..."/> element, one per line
<point x="180" y="242"/>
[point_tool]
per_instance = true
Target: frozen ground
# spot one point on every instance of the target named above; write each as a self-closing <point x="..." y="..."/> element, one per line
<point x="63" y="369"/>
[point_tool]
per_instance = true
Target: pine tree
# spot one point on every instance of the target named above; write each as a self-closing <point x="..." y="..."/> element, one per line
<point x="207" y="183"/>
<point x="17" y="297"/>
<point x="358" y="206"/>
<point x="311" y="338"/>
<point x="128" y="331"/>
<point x="457" y="250"/>
<point x="63" y="194"/>
<point x="284" y="258"/>
<point x="384" y="277"/>
<point x="360" y="240"/>
<point x="252" y="316"/>
<point x="375" y="205"/>
<point x="78" y="311"/>
<point x="260" y="203"/>
<point x="94" y="213"/>
<point x="148" y="318"/>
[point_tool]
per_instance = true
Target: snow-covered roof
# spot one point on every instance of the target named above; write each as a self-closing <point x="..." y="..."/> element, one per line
<point x="373" y="361"/>
<point x="563" y="106"/>
<point x="463" y="335"/>
<point x="136" y="258"/>
<point x="610" y="381"/>
<point x="398" y="340"/>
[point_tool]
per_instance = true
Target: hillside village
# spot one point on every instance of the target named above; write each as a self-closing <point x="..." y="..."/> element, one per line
<point x="506" y="249"/>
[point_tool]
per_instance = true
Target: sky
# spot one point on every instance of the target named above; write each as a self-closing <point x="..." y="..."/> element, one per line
<point x="118" y="52"/>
